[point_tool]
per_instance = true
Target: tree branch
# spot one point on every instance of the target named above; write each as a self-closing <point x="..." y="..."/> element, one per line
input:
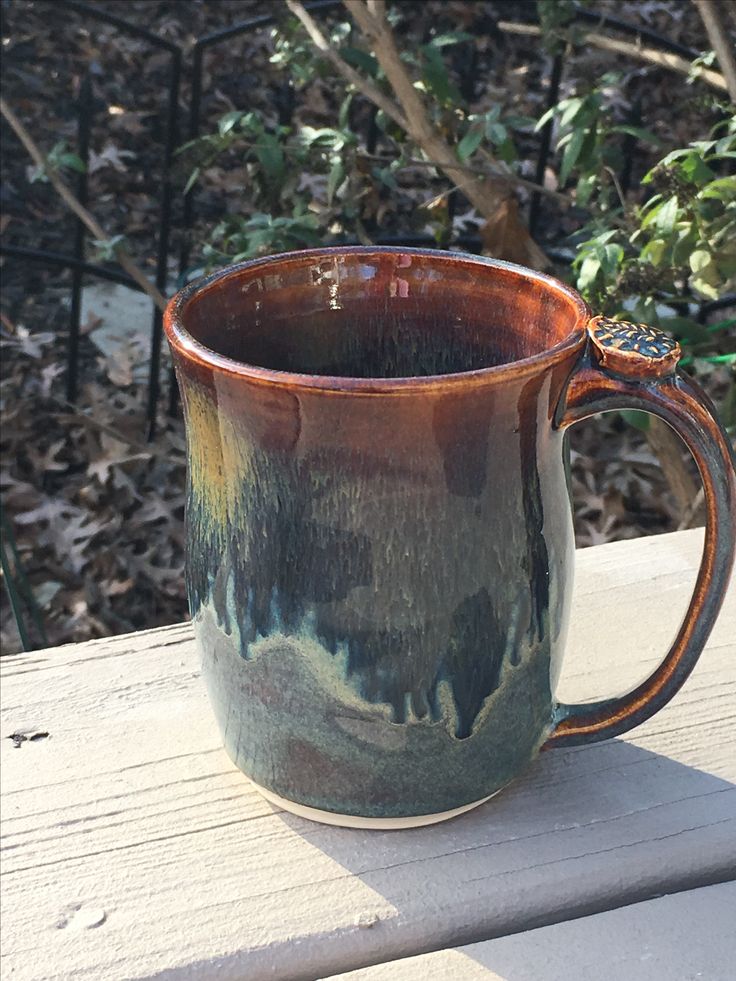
<point x="67" y="195"/>
<point x="482" y="193"/>
<point x="487" y="194"/>
<point x="718" y="37"/>
<point x="652" y="55"/>
<point x="668" y="449"/>
<point x="363" y="85"/>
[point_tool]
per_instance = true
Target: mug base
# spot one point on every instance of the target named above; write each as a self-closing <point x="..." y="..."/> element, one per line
<point x="367" y="823"/>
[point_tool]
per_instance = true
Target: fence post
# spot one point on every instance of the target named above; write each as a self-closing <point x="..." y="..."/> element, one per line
<point x="84" y="123"/>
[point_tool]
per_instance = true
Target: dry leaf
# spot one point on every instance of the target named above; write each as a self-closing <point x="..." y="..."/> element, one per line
<point x="112" y="453"/>
<point x="91" y="323"/>
<point x="109" y="156"/>
<point x="506" y="237"/>
<point x="119" y="368"/>
<point x="44" y="461"/>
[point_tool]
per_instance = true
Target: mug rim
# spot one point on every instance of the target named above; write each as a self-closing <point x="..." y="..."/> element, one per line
<point x="190" y="349"/>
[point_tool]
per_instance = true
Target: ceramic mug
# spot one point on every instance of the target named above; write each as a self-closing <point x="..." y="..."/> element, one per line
<point x="380" y="543"/>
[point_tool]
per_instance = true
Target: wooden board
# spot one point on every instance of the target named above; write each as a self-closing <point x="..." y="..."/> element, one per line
<point x="131" y="817"/>
<point x="675" y="938"/>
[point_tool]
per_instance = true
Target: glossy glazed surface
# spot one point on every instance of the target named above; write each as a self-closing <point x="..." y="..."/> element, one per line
<point x="378" y="564"/>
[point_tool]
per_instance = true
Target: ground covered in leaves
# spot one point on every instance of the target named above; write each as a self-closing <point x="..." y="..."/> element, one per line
<point x="96" y="510"/>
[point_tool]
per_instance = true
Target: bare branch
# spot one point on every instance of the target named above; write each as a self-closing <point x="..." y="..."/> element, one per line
<point x="67" y="195"/>
<point x="664" y="59"/>
<point x="722" y="45"/>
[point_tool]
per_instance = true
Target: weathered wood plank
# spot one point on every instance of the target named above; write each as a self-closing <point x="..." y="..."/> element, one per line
<point x="674" y="938"/>
<point x="130" y="809"/>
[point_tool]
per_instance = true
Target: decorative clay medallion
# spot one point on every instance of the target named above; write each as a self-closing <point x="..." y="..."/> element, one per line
<point x="633" y="349"/>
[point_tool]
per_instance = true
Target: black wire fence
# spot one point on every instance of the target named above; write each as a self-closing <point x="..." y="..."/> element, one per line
<point x="194" y="58"/>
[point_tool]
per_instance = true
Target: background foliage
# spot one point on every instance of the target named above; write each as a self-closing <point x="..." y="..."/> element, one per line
<point x="291" y="157"/>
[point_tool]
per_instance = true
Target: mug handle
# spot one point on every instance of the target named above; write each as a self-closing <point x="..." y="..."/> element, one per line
<point x="630" y="366"/>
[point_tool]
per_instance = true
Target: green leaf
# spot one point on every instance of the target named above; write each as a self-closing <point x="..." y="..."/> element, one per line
<point x="638" y="132"/>
<point x="571" y="154"/>
<point x="271" y="158"/>
<point x="585" y="157"/>
<point x="665" y="216"/>
<point x="724" y="188"/>
<point x="726" y="266"/>
<point x="696" y="171"/>
<point x="470" y="143"/>
<point x="72" y="162"/>
<point x="699" y="260"/>
<point x="684" y="244"/>
<point x="725" y="144"/>
<point x="228" y="122"/>
<point x="106" y="248"/>
<point x="705" y="146"/>
<point x="450" y="37"/>
<point x="636" y="418"/>
<point x="728" y="324"/>
<point x="333" y="139"/>
<point x="684" y="329"/>
<point x="545" y="118"/>
<point x="497" y="133"/>
<point x="584" y="189"/>
<point x="343" y="118"/>
<point x="721" y="359"/>
<point x="653" y="251"/>
<point x="570" y="108"/>
<point x="519" y="122"/>
<point x="193" y="178"/>
<point x="610" y="257"/>
<point x="674" y="155"/>
<point x="707" y="281"/>
<point x="589" y="271"/>
<point x="436" y="78"/>
<point x="385" y="176"/>
<point x="507" y="150"/>
<point x="360" y="59"/>
<point x="335" y="179"/>
<point x="703" y="286"/>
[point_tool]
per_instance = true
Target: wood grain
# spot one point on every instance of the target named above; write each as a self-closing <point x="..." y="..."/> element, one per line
<point x="641" y="942"/>
<point x="130" y="816"/>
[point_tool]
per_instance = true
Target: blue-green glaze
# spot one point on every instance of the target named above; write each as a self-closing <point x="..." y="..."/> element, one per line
<point x="378" y="575"/>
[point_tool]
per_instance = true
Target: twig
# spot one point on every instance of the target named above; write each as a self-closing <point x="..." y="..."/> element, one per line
<point x="74" y="412"/>
<point x="718" y="37"/>
<point x="664" y="59"/>
<point x="687" y="518"/>
<point x="619" y="190"/>
<point x="669" y="450"/>
<point x="64" y="191"/>
<point x="363" y="236"/>
<point x="522" y="182"/>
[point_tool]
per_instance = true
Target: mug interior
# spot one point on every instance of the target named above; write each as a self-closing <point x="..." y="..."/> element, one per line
<point x="379" y="313"/>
